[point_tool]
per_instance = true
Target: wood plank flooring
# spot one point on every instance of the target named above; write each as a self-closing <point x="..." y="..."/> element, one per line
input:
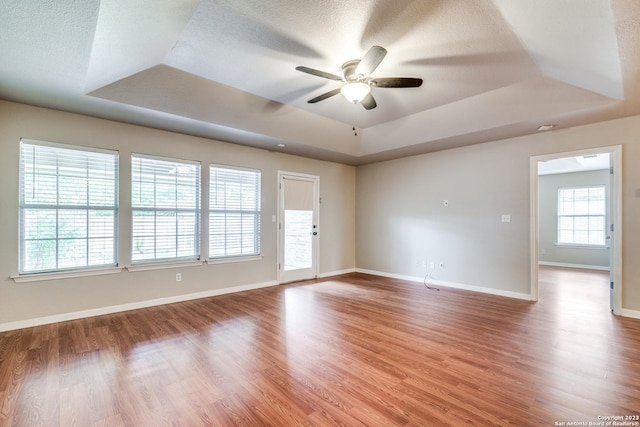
<point x="352" y="350"/>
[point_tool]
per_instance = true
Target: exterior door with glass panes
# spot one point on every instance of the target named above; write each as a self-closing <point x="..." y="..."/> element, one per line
<point x="297" y="227"/>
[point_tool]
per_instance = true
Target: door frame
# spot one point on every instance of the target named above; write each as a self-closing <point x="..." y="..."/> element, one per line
<point x="280" y="231"/>
<point x="616" y="217"/>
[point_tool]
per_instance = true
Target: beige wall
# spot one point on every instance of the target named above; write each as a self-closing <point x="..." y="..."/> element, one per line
<point x="399" y="222"/>
<point x="25" y="301"/>
<point x="401" y="219"/>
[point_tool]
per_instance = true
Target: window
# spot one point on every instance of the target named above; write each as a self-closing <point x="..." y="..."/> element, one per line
<point x="165" y="205"/>
<point x="68" y="207"/>
<point x="234" y="212"/>
<point x="581" y="216"/>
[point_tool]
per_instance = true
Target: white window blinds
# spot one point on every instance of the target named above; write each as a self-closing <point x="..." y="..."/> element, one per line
<point x="68" y="207"/>
<point x="165" y="204"/>
<point x="581" y="215"/>
<point x="298" y="194"/>
<point x="234" y="212"/>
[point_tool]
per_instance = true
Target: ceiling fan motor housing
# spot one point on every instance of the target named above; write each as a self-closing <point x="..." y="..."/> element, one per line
<point x="349" y="71"/>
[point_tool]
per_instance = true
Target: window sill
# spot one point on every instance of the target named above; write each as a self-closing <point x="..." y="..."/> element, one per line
<point x="576" y="246"/>
<point x="234" y="259"/>
<point x="36" y="277"/>
<point x="162" y="266"/>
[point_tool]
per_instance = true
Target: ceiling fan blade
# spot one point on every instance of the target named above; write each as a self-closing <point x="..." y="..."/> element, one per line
<point x="324" y="96"/>
<point x="369" y="102"/>
<point x="371" y="60"/>
<point x="396" y="82"/>
<point x="318" y="73"/>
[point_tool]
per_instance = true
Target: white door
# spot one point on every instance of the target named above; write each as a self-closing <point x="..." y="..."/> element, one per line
<point x="298" y="227"/>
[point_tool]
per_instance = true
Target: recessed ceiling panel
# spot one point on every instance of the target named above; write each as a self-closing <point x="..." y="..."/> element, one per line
<point x="169" y="90"/>
<point x="132" y="36"/>
<point x="574" y="42"/>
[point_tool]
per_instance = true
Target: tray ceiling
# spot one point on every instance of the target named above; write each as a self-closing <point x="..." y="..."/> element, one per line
<point x="226" y="69"/>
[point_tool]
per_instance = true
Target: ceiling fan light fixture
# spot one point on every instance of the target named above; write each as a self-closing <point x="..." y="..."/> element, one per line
<point x="355" y="92"/>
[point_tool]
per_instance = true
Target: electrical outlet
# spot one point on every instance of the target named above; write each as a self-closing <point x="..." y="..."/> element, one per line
<point x="178" y="277"/>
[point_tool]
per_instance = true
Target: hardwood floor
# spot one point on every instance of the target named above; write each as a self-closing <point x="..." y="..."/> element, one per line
<point x="353" y="350"/>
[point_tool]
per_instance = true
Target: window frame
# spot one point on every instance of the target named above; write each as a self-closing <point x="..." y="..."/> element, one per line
<point x="83" y="153"/>
<point x="561" y="242"/>
<point x="196" y="209"/>
<point x="256" y="212"/>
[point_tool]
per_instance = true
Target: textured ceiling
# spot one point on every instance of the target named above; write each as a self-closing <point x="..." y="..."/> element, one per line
<point x="591" y="162"/>
<point x="225" y="69"/>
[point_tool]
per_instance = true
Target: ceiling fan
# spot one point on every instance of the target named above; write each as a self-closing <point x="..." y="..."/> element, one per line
<point x="356" y="74"/>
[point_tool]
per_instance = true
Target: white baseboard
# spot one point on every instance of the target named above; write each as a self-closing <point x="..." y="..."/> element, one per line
<point x="10" y="326"/>
<point x="336" y="273"/>
<point x="634" y="314"/>
<point x="390" y="275"/>
<point x="445" y="284"/>
<point x="563" y="264"/>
